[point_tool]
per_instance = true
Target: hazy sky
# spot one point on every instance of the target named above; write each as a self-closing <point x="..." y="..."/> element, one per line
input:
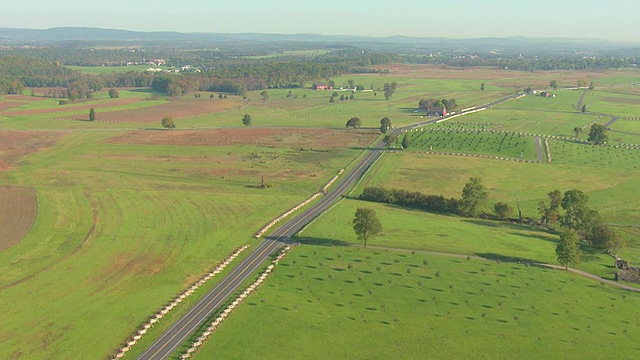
<point x="612" y="19"/>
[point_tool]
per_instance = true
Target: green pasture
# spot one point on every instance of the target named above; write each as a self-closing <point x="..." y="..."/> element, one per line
<point x="52" y="120"/>
<point x="464" y="140"/>
<point x="334" y="302"/>
<point x="534" y="121"/>
<point x="418" y="230"/>
<point x="625" y="131"/>
<point x="609" y="187"/>
<point x="124" y="228"/>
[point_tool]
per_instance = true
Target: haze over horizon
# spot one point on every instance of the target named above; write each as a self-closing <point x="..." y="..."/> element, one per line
<point x="613" y="20"/>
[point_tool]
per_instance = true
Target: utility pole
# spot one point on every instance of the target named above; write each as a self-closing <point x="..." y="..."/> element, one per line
<point x="519" y="208"/>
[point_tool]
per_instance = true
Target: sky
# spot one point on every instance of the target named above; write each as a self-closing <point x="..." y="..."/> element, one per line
<point x="615" y="20"/>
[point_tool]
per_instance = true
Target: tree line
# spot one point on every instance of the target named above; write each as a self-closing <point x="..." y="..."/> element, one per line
<point x="578" y="222"/>
<point x="472" y="198"/>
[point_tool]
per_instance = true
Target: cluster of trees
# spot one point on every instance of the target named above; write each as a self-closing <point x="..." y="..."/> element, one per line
<point x="16" y="73"/>
<point x="342" y="97"/>
<point x="20" y="72"/>
<point x="426" y="104"/>
<point x="572" y="212"/>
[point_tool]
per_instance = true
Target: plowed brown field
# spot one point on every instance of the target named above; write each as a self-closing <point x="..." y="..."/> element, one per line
<point x="16" y="144"/>
<point x="18" y="211"/>
<point x="273" y="137"/>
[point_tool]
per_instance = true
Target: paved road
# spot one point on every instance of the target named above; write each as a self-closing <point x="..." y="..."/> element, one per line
<point x="185" y="326"/>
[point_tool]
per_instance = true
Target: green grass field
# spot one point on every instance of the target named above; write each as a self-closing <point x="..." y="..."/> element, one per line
<point x="470" y="141"/>
<point x="123" y="227"/>
<point x="333" y="302"/>
<point x="608" y="186"/>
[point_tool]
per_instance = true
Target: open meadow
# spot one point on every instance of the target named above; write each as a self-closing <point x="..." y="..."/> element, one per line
<point x="117" y="216"/>
<point x="127" y="220"/>
<point x="327" y="301"/>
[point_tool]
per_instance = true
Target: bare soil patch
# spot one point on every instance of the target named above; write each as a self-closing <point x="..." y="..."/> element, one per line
<point x="13" y="101"/>
<point x="14" y="145"/>
<point x="270" y="137"/>
<point x="177" y="109"/>
<point x="18" y="211"/>
<point x="4" y="105"/>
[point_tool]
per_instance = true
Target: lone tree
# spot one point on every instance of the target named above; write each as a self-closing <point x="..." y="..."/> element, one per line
<point x="554" y="84"/>
<point x="92" y="114"/>
<point x="598" y="134"/>
<point x="264" y="94"/>
<point x="568" y="250"/>
<point x="474" y="195"/>
<point x="577" y="131"/>
<point x="354" y="122"/>
<point x="366" y="224"/>
<point x="168" y="123"/>
<point x="406" y="141"/>
<point x="584" y="108"/>
<point x="482" y="86"/>
<point x="385" y="125"/>
<point x="113" y="93"/>
<point x="389" y="89"/>
<point x="246" y="120"/>
<point x="503" y="210"/>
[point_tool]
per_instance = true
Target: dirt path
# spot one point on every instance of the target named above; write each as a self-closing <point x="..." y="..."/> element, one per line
<point x="613" y="119"/>
<point x="581" y="100"/>
<point x="539" y="149"/>
<point x="550" y="266"/>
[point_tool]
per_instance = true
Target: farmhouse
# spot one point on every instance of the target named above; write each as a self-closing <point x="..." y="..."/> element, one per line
<point x="322" y="87"/>
<point x="437" y="111"/>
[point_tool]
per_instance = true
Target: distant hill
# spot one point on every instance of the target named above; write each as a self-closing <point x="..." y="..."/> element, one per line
<point x="12" y="36"/>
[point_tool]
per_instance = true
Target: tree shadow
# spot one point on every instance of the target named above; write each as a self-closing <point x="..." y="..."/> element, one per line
<point x="533" y="236"/>
<point x="508" y="225"/>
<point x="505" y="258"/>
<point x="320" y="241"/>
